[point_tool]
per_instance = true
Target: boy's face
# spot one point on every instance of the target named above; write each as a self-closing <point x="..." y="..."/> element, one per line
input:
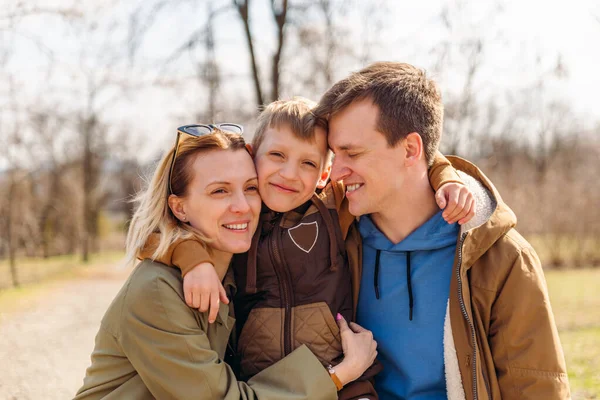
<point x="289" y="168"/>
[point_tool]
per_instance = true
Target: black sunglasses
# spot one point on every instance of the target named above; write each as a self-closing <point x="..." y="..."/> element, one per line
<point x="197" y="131"/>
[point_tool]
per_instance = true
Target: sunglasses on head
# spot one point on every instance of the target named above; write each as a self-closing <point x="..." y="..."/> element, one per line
<point x="197" y="131"/>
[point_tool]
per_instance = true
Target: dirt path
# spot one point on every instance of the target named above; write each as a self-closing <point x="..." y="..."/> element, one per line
<point x="47" y="338"/>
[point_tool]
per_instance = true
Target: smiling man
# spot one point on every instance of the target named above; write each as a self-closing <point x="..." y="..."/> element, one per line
<point x="459" y="312"/>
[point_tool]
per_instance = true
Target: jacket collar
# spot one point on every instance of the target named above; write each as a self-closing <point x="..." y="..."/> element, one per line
<point x="493" y="218"/>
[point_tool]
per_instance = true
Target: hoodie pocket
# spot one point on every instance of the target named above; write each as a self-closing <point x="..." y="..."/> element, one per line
<point x="314" y="325"/>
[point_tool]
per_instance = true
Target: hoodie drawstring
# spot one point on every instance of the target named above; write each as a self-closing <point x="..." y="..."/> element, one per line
<point x="408" y="281"/>
<point x="376" y="275"/>
<point x="410" y="293"/>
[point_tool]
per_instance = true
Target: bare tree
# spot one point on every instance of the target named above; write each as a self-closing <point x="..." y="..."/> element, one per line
<point x="279" y="10"/>
<point x="243" y="8"/>
<point x="208" y="70"/>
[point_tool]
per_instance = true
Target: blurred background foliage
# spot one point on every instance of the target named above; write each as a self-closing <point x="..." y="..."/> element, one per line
<point x="90" y="95"/>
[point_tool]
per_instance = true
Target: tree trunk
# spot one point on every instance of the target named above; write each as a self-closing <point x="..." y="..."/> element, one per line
<point x="280" y="19"/>
<point x="243" y="8"/>
<point x="88" y="130"/>
<point x="11" y="231"/>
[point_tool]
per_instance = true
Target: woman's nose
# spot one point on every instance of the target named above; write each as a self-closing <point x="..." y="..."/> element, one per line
<point x="240" y="204"/>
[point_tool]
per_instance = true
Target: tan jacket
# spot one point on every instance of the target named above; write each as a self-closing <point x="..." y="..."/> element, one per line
<point x="500" y="338"/>
<point x="152" y="345"/>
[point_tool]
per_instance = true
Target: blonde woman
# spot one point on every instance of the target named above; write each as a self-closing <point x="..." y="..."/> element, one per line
<point x="150" y="343"/>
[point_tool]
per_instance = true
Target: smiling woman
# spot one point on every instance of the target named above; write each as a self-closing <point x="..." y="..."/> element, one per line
<point x="150" y="343"/>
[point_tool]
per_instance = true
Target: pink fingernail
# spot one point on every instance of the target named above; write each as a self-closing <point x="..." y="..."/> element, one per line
<point x="338" y="316"/>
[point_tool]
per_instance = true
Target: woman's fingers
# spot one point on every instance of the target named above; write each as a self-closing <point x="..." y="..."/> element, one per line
<point x="356" y="328"/>
<point x="342" y="324"/>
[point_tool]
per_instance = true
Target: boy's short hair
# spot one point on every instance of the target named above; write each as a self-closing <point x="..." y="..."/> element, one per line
<point x="292" y="113"/>
<point x="408" y="101"/>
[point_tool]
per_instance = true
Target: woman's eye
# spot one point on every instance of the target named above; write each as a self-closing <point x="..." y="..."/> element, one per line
<point x="218" y="191"/>
<point x="252" y="188"/>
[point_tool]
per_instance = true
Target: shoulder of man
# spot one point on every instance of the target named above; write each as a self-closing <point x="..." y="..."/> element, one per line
<point x="510" y="256"/>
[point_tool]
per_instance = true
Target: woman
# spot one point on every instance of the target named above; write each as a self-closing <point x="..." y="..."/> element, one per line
<point x="150" y="343"/>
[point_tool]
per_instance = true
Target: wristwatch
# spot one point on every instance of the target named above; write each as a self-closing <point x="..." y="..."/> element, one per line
<point x="334" y="377"/>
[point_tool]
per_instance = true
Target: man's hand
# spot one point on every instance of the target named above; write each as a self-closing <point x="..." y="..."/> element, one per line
<point x="457" y="201"/>
<point x="203" y="290"/>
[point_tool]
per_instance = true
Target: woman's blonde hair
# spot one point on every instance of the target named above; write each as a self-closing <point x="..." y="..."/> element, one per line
<point x="153" y="214"/>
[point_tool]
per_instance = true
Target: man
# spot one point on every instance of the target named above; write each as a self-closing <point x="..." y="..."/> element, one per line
<point x="457" y="312"/>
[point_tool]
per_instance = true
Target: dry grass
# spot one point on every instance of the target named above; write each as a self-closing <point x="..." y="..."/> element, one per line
<point x="576" y="304"/>
<point x="32" y="270"/>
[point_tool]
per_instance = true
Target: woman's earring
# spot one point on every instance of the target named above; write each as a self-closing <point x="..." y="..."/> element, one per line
<point x="184" y="218"/>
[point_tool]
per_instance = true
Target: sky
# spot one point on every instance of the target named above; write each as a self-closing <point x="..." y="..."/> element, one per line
<point x="523" y="41"/>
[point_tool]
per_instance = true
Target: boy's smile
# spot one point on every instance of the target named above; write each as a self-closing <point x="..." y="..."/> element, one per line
<point x="289" y="168"/>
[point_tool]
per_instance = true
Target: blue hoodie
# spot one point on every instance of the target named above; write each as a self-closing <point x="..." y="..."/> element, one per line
<point x="403" y="295"/>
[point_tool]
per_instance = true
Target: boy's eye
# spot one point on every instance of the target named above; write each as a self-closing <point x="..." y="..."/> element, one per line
<point x="276" y="154"/>
<point x="311" y="164"/>
<point x="352" y="155"/>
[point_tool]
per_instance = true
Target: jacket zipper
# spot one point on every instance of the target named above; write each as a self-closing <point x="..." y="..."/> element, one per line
<point x="466" y="316"/>
<point x="473" y="338"/>
<point x="284" y="284"/>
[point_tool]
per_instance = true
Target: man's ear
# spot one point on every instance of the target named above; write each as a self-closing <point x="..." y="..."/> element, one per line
<point x="324" y="177"/>
<point x="176" y="206"/>
<point x="413" y="144"/>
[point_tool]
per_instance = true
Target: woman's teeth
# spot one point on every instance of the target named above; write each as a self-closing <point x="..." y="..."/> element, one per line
<point x="237" y="227"/>
<point x="352" y="188"/>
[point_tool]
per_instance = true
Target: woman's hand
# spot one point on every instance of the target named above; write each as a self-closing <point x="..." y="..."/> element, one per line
<point x="203" y="290"/>
<point x="359" y="348"/>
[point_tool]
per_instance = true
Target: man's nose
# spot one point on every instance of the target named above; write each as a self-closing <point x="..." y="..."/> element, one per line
<point x="339" y="171"/>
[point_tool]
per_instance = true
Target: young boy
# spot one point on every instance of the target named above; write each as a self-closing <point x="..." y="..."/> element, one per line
<point x="297" y="274"/>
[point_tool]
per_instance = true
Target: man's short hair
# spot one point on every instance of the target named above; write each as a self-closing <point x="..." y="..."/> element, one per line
<point x="408" y="101"/>
<point x="291" y="113"/>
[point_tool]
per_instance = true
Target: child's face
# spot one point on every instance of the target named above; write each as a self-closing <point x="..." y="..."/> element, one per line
<point x="289" y="168"/>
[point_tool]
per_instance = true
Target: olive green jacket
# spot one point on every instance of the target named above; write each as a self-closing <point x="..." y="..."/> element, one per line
<point x="152" y="345"/>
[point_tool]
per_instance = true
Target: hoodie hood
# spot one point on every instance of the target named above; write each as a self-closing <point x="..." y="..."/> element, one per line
<point x="434" y="234"/>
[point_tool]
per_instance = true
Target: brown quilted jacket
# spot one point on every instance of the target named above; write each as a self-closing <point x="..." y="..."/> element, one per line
<point x="291" y="283"/>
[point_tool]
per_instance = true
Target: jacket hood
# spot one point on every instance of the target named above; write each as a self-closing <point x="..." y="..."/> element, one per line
<point x="434" y="234"/>
<point x="493" y="218"/>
